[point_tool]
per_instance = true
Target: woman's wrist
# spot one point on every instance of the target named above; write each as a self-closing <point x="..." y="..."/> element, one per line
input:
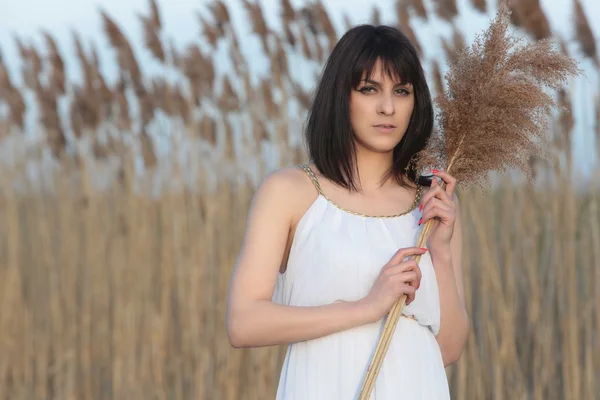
<point x="364" y="308"/>
<point x="441" y="255"/>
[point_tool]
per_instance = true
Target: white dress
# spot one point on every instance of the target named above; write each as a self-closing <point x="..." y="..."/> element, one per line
<point x="337" y="255"/>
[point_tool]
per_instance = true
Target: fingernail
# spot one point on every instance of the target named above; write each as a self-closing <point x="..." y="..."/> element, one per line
<point x="435" y="171"/>
<point x="423" y="248"/>
<point x="420" y="221"/>
<point x="421" y="207"/>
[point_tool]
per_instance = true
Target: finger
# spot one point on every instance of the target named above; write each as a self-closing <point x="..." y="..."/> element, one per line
<point x="412" y="281"/>
<point x="449" y="179"/>
<point x="404" y="266"/>
<point x="434" y="191"/>
<point x="431" y="212"/>
<point x="419" y="276"/>
<point x="444" y="215"/>
<point x="407" y="289"/>
<point x="439" y="193"/>
<point x="410" y="294"/>
<point x="409" y="278"/>
<point x="438" y="203"/>
<point x="410" y="273"/>
<point x="404" y="252"/>
<point x="414" y="267"/>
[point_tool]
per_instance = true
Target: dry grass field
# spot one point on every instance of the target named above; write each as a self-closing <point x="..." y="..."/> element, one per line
<point x="113" y="277"/>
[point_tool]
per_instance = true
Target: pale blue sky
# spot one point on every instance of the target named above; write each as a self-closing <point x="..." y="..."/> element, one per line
<point x="28" y="18"/>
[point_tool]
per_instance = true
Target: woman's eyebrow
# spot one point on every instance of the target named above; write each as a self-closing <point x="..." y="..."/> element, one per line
<point x="372" y="82"/>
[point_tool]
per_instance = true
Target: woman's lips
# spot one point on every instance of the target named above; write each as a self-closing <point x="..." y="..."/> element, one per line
<point x="385" y="128"/>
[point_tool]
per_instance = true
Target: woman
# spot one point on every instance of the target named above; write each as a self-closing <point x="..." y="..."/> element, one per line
<point x="325" y="253"/>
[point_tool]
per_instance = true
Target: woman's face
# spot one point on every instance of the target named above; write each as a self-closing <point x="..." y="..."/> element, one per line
<point x="380" y="111"/>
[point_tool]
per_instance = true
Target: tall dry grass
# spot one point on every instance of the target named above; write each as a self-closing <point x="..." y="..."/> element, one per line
<point x="115" y="288"/>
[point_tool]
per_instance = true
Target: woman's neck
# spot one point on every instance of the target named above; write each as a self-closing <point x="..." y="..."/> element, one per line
<point x="371" y="168"/>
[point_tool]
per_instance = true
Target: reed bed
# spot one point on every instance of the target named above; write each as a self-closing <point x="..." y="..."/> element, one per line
<point x="113" y="276"/>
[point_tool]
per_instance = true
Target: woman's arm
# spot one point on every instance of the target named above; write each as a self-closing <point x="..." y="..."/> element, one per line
<point x="252" y="319"/>
<point x="454" y="324"/>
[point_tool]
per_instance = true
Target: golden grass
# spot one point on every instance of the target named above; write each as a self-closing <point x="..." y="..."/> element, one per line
<point x="119" y="293"/>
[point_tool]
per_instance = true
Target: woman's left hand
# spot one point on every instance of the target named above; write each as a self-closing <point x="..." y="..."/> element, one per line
<point x="439" y="204"/>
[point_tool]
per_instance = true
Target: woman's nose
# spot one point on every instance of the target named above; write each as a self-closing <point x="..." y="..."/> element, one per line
<point x="386" y="105"/>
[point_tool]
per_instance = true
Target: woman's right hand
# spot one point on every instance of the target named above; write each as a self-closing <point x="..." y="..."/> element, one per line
<point x="396" y="278"/>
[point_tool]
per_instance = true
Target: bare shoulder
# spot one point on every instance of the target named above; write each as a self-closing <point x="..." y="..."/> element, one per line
<point x="289" y="188"/>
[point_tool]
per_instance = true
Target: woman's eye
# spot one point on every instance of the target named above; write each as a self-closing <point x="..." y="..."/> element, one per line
<point x="368" y="89"/>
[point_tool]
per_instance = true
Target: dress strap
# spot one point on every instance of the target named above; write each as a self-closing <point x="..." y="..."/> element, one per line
<point x="313" y="177"/>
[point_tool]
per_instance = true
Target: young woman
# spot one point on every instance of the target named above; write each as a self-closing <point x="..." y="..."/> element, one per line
<point x="326" y="250"/>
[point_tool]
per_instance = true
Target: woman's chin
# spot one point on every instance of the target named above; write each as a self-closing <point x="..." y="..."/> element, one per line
<point x="383" y="146"/>
<point x="380" y="148"/>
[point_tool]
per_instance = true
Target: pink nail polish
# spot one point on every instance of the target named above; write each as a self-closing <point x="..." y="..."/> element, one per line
<point x="420" y="221"/>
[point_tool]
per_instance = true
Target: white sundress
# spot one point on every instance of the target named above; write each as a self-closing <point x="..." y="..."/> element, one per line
<point x="337" y="255"/>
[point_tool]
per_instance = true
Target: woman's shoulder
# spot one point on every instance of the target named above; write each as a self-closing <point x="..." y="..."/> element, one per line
<point x="288" y="187"/>
<point x="287" y="179"/>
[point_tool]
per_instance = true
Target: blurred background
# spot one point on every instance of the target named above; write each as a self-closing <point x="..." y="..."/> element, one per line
<point x="134" y="133"/>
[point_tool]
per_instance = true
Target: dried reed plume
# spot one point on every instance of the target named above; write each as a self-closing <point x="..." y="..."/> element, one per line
<point x="566" y="121"/>
<point x="502" y="87"/>
<point x="32" y="64"/>
<point x="200" y="73"/>
<point x="210" y="32"/>
<point x="94" y="100"/>
<point x="288" y="13"/>
<point x="228" y="100"/>
<point x="57" y="77"/>
<point x="416" y="5"/>
<point x="375" y="16"/>
<point x="221" y="15"/>
<point x="124" y="118"/>
<point x="260" y="131"/>
<point x="155" y="15"/>
<point x="126" y="57"/>
<point x="181" y="104"/>
<point x="50" y="119"/>
<point x="152" y="26"/>
<point x="404" y="26"/>
<point x="152" y="37"/>
<point x="458" y="43"/>
<point x="84" y="111"/>
<point x="479" y="5"/>
<point x="13" y="97"/>
<point x="325" y="24"/>
<point x="306" y="50"/>
<point x="584" y="33"/>
<point x="347" y="22"/>
<point x="259" y="25"/>
<point x="301" y="95"/>
<point x="289" y="35"/>
<point x="437" y="78"/>
<point x="529" y="15"/>
<point x="446" y="9"/>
